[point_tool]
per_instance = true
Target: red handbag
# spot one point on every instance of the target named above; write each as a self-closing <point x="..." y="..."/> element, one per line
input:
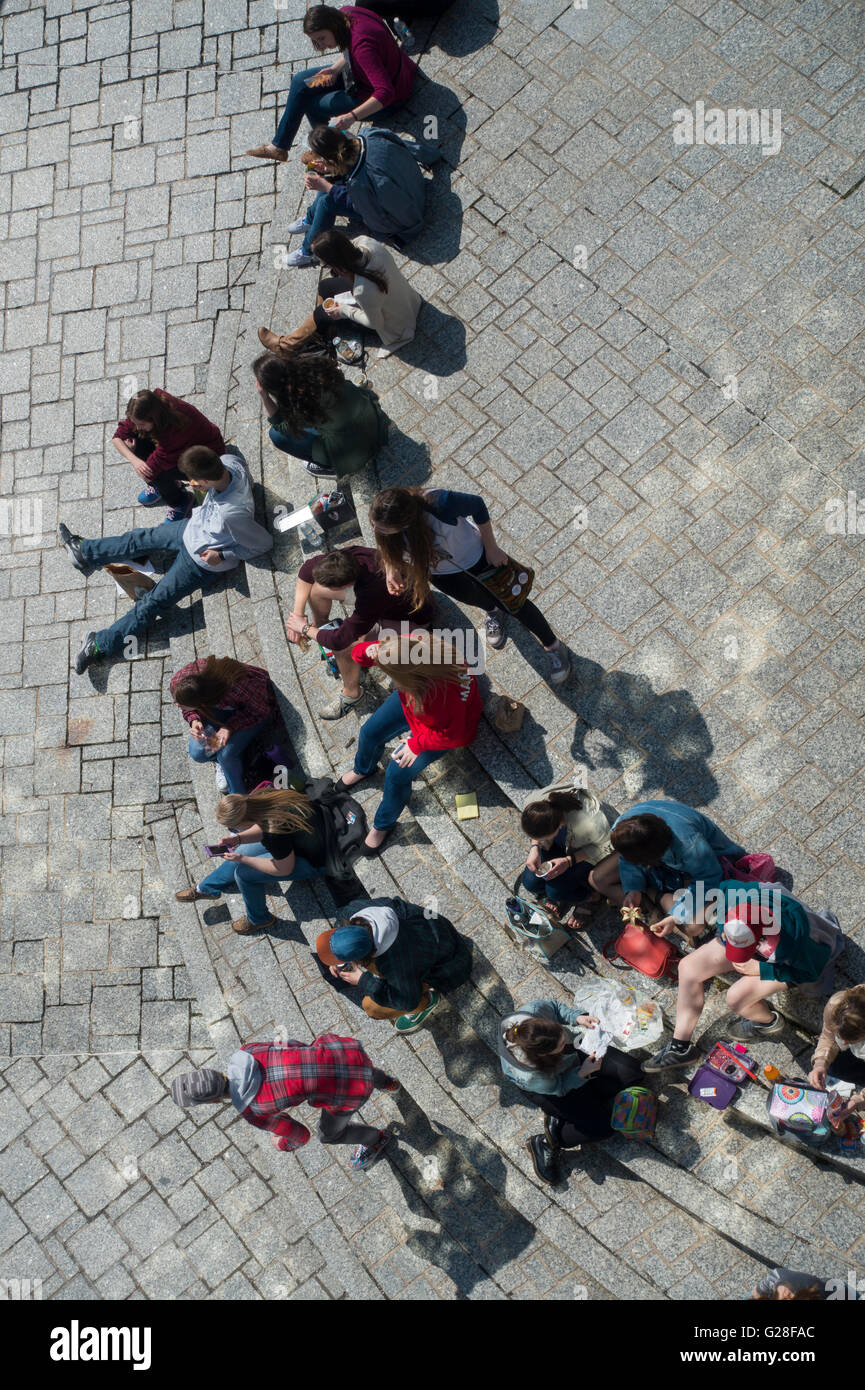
<point x="751" y="868"/>
<point x="639" y="948"/>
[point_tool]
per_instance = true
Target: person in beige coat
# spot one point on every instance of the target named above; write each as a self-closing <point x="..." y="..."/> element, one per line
<point x="374" y="293"/>
<point x="840" y="1050"/>
<point x="569" y="834"/>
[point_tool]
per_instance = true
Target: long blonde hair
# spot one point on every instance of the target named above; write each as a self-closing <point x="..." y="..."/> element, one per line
<point x="418" y="663"/>
<point x="278" y="810"/>
<point x="413" y="537"/>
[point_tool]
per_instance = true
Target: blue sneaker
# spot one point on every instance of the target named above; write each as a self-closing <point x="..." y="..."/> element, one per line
<point x="150" y="498"/>
<point x="365" y="1155"/>
<point x="180" y="513"/>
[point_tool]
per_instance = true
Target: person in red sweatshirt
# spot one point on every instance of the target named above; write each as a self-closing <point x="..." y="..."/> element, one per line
<point x="157" y="429"/>
<point x="436" y="701"/>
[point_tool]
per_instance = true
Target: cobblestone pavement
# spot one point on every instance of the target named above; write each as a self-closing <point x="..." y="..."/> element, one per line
<point x="649" y="357"/>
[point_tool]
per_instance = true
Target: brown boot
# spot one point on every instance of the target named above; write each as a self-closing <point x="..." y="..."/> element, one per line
<point x="244" y="927"/>
<point x="283" y="343"/>
<point x="269" y="152"/>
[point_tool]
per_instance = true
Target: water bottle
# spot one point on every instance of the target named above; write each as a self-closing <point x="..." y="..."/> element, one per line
<point x="310" y="535"/>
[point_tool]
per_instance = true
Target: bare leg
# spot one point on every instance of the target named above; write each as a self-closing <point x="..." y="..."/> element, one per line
<point x="705" y="963"/>
<point x="748" y="996"/>
<point x="604" y="878"/>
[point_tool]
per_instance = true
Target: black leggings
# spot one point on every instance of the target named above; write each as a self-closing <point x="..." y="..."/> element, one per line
<point x="586" y="1112"/>
<point x="328" y="288"/>
<point x="466" y="589"/>
<point x="848" y="1067"/>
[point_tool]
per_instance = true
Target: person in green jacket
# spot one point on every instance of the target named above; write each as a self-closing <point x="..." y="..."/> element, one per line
<point x="317" y="415"/>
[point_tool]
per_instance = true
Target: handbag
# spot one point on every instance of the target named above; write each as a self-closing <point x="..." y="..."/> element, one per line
<point x="133" y="580"/>
<point x="654" y="956"/>
<point x="510" y="584"/>
<point x="797" y="1107"/>
<point x="750" y="868"/>
<point x="635" y="1114"/>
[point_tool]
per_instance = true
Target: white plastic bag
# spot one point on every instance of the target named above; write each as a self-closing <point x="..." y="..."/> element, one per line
<point x="631" y="1022"/>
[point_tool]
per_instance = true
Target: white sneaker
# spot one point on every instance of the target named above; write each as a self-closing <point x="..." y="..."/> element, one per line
<point x="299" y="259"/>
<point x="300" y="225"/>
<point x="221" y="783"/>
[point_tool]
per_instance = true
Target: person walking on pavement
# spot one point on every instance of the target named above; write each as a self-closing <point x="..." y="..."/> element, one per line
<point x="266" y="1080"/>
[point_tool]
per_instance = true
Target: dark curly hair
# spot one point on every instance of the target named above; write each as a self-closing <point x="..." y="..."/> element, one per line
<point x="304" y="387"/>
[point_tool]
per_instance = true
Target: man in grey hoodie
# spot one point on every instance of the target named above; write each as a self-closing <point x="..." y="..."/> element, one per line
<point x="216" y="537"/>
<point x="265" y="1080"/>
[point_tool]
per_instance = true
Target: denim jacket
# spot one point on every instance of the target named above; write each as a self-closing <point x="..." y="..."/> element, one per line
<point x="695" y="851"/>
<point x="556" y="1083"/>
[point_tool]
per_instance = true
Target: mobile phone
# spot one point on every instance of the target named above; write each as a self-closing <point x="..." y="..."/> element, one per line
<point x="396" y="752"/>
<point x="214" y="851"/>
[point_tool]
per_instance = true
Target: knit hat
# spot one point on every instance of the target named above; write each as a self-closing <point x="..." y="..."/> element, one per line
<point x="198" y="1087"/>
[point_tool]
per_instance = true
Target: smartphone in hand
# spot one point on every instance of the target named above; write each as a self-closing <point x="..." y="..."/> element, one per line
<point x="215" y="851"/>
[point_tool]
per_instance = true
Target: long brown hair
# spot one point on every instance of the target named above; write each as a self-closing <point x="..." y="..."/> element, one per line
<point x="403" y="509"/>
<point x="417" y="663"/>
<point x="338" y="149"/>
<point x="278" y="810"/>
<point x="304" y="388"/>
<point x="542" y="1040"/>
<point x="847" y="1016"/>
<point x="153" y="406"/>
<point x="321" y="17"/>
<point x="338" y="252"/>
<point x="205" y="690"/>
<point x="543" y="818"/>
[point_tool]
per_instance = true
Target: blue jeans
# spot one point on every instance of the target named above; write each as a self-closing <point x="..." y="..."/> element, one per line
<point x="300" y="446"/>
<point x="229" y="758"/>
<point x="321" y="216"/>
<point x="316" y="103"/>
<point x="388" y="721"/>
<point x="184" y="577"/>
<point x="252" y="884"/>
<point x="571" y="886"/>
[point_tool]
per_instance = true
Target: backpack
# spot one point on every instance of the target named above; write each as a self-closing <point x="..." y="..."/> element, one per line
<point x="344" y="826"/>
<point x="795" y="1107"/>
<point x="635" y="1113"/>
<point x="750" y="868"/>
<point x="655" y="956"/>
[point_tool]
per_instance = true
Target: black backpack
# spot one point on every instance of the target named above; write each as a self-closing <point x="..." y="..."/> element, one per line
<point x="344" y="823"/>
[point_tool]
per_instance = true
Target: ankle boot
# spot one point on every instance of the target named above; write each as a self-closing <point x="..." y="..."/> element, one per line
<point x="283" y="343"/>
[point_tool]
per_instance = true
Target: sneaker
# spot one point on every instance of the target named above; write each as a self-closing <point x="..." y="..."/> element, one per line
<point x="299" y="225"/>
<point x="560" y="665"/>
<point x="192" y="895"/>
<point x="339" y="706"/>
<point x="365" y="1155"/>
<point x="150" y="497"/>
<point x="545" y="1160"/>
<point x="744" y="1030"/>
<point x="495" y="631"/>
<point x="320" y="470"/>
<point x="409" y="1023"/>
<point x="180" y="513"/>
<point x="72" y="545"/>
<point x="299" y="259"/>
<point x="390" y="1085"/>
<point x="88" y="654"/>
<point x="221" y="782"/>
<point x="244" y="927"/>
<point x="668" y="1059"/>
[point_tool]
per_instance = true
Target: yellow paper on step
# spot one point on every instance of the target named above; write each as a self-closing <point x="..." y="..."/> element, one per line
<point x="467" y="806"/>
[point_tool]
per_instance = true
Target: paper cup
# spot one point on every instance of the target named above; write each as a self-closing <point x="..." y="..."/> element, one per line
<point x="329" y="303"/>
<point x="545" y="868"/>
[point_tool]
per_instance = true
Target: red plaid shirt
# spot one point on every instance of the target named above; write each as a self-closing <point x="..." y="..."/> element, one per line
<point x="332" y="1074"/>
<point x="251" y="700"/>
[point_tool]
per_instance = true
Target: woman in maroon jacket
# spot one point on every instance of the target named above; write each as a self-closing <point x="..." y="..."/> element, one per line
<point x="436" y="703"/>
<point x="156" y="431"/>
<point x="226" y="704"/>
<point x="371" y="75"/>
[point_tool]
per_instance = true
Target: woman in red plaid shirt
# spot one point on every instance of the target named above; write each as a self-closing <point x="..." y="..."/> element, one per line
<point x="226" y="704"/>
<point x="332" y="1074"/>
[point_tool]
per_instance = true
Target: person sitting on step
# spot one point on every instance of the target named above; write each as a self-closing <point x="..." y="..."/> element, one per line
<point x="370" y="77"/>
<point x="226" y="704"/>
<point x="216" y="538"/>
<point x="402" y="956"/>
<point x="157" y="429"/>
<point x="661" y="850"/>
<point x="350" y="576"/>
<point x="266" y="1080"/>
<point x="436" y="703"/>
<point x="771" y="940"/>
<point x="366" y="272"/>
<point x="567" y="830"/>
<point x="282" y="838"/>
<point x="539" y="1052"/>
<point x="840" y="1050"/>
<point x="317" y="415"/>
